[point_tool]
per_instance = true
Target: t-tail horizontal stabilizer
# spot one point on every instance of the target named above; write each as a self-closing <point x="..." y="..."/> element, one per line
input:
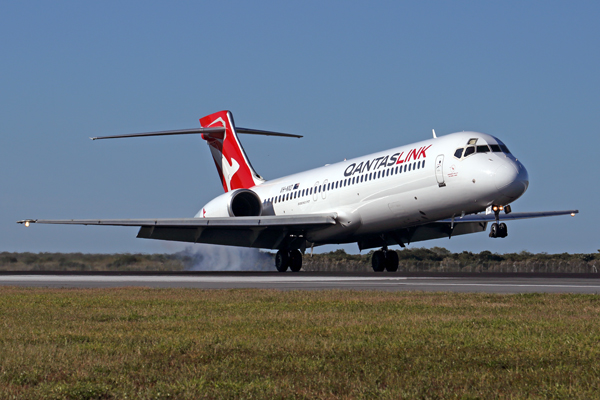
<point x="208" y="132"/>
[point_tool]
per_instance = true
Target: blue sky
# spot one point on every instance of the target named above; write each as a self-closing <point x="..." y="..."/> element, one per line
<point x="352" y="77"/>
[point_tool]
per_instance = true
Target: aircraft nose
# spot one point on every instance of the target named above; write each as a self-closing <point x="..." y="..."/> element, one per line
<point x="511" y="179"/>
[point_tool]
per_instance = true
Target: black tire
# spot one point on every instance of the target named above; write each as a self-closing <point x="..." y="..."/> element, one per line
<point x="391" y="261"/>
<point x="378" y="261"/>
<point x="494" y="230"/>
<point x="282" y="260"/>
<point x="295" y="260"/>
<point x="502" y="230"/>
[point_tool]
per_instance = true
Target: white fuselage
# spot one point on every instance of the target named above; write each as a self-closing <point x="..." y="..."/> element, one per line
<point x="397" y="188"/>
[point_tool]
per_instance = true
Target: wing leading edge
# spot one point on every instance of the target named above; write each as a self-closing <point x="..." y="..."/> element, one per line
<point x="508" y="217"/>
<point x="448" y="227"/>
<point x="269" y="232"/>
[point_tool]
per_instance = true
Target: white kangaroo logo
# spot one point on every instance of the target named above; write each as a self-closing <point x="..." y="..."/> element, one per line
<point x="228" y="170"/>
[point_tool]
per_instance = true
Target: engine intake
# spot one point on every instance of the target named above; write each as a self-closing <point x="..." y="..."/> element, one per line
<point x="245" y="203"/>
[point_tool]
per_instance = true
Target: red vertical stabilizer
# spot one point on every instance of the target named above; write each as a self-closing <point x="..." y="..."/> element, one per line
<point x="229" y="156"/>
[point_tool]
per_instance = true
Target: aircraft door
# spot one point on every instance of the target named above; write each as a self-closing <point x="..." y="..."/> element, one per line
<point x="316" y="191"/>
<point x="324" y="190"/>
<point x="439" y="170"/>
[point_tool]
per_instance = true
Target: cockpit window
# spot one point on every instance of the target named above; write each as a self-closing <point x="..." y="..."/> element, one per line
<point x="495" y="148"/>
<point x="469" y="150"/>
<point x="503" y="147"/>
<point x="458" y="153"/>
<point x="472" y="141"/>
<point x="483" y="149"/>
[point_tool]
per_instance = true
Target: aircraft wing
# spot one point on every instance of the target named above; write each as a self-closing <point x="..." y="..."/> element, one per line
<point x="447" y="228"/>
<point x="508" y="217"/>
<point x="263" y="232"/>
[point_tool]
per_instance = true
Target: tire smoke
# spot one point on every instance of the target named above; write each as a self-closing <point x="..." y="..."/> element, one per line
<point x="206" y="257"/>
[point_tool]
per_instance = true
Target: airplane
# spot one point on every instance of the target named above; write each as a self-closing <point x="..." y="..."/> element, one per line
<point x="445" y="186"/>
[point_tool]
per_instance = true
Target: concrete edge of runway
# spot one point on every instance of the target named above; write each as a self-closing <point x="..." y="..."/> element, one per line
<point x="558" y="275"/>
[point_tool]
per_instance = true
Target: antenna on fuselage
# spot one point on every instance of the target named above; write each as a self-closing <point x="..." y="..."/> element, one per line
<point x="434" y="136"/>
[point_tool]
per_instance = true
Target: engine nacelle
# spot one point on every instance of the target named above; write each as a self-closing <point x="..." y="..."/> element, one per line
<point x="237" y="203"/>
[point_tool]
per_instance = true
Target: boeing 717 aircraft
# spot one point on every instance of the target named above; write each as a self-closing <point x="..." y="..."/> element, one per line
<point x="442" y="187"/>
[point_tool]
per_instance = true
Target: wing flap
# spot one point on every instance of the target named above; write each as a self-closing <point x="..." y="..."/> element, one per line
<point x="261" y="232"/>
<point x="296" y="220"/>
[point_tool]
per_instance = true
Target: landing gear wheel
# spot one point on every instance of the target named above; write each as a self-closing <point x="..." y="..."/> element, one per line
<point x="282" y="260"/>
<point x="295" y="260"/>
<point x="378" y="261"/>
<point x="502" y="230"/>
<point x="391" y="261"/>
<point x="494" y="230"/>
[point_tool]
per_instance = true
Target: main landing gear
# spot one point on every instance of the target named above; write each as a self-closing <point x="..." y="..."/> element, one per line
<point x="288" y="258"/>
<point x="499" y="230"/>
<point x="385" y="260"/>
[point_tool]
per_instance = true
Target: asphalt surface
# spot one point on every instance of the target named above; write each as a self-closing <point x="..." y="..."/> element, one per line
<point x="485" y="283"/>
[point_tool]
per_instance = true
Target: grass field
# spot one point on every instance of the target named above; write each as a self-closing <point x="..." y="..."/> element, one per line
<point x="185" y="343"/>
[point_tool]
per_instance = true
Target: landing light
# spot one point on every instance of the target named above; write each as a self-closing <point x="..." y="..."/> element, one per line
<point x="572" y="214"/>
<point x="27" y="223"/>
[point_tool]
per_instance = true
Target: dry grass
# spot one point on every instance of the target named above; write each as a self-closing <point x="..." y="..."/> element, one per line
<point x="185" y="343"/>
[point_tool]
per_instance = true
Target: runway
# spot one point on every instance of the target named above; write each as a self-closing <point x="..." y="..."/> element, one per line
<point x="485" y="283"/>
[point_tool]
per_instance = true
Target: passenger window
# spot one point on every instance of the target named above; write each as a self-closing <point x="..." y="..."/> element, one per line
<point x="469" y="150"/>
<point x="423" y="164"/>
<point x="458" y="153"/>
<point x="495" y="148"/>
<point x="483" y="149"/>
<point x="406" y="166"/>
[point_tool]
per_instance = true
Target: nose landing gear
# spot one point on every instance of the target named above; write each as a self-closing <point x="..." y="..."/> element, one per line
<point x="499" y="230"/>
